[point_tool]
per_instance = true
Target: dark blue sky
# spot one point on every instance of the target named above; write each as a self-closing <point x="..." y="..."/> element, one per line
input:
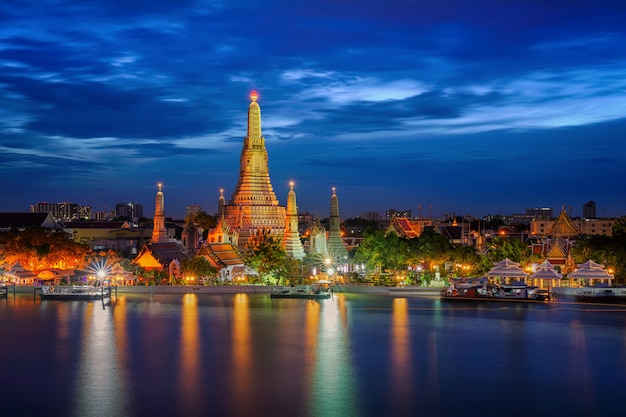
<point x="472" y="107"/>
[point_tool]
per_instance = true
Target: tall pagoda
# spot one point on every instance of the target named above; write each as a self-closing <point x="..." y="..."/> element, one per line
<point x="254" y="205"/>
<point x="336" y="248"/>
<point x="293" y="244"/>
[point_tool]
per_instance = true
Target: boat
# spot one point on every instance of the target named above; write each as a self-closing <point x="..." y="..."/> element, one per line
<point x="75" y="292"/>
<point x="602" y="295"/>
<point x="312" y="292"/>
<point x="515" y="292"/>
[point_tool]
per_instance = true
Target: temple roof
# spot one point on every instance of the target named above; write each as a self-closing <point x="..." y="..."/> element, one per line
<point x="451" y="232"/>
<point x="222" y="254"/>
<point x="97" y="225"/>
<point x="167" y="251"/>
<point x="163" y="252"/>
<point x="26" y="220"/>
<point x="563" y="226"/>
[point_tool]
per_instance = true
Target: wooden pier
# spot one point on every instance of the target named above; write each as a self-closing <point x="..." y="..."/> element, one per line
<point x="5" y="288"/>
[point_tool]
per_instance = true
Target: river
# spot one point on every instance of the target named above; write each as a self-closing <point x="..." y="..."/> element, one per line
<point x="353" y="355"/>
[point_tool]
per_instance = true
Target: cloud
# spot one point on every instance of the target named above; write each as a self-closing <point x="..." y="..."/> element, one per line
<point x="399" y="94"/>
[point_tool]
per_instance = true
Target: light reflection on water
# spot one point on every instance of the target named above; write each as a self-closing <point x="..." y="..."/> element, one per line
<point x="352" y="355"/>
<point x="99" y="385"/>
<point x="243" y="387"/>
<point x="190" y="360"/>
<point x="400" y="369"/>
<point x="333" y="379"/>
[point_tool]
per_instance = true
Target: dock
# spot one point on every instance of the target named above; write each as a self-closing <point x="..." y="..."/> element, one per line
<point x="76" y="292"/>
<point x="5" y="288"/>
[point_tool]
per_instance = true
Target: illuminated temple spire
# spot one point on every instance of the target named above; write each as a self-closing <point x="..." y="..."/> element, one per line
<point x="159" y="233"/>
<point x="221" y="202"/>
<point x="336" y="248"/>
<point x="293" y="244"/>
<point x="253" y="204"/>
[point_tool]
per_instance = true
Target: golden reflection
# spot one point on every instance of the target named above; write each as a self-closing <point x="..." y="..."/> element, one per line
<point x="120" y="334"/>
<point x="189" y="355"/>
<point x="312" y="320"/>
<point x="342" y="308"/>
<point x="401" y="352"/>
<point x="333" y="382"/>
<point x="63" y="332"/>
<point x="242" y="357"/>
<point x="119" y="321"/>
<point x="101" y="381"/>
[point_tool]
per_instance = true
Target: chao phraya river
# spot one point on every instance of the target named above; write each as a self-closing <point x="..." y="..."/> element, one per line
<point x="246" y="354"/>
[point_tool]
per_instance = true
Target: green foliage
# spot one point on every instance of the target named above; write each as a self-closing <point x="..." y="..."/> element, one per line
<point x="619" y="228"/>
<point x="605" y="250"/>
<point x="469" y="259"/>
<point x="265" y="253"/>
<point x="197" y="268"/>
<point x="502" y="247"/>
<point x="205" y="221"/>
<point x="431" y="247"/>
<point x="387" y="252"/>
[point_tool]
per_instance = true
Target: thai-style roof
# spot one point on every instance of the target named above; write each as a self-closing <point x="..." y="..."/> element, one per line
<point x="546" y="271"/>
<point x="222" y="254"/>
<point x="97" y="225"/>
<point x="168" y="251"/>
<point x="506" y="269"/>
<point x="159" y="252"/>
<point x="451" y="232"/>
<point x="563" y="226"/>
<point x="26" y="220"/>
<point x="557" y="249"/>
<point x="590" y="270"/>
<point x="405" y="227"/>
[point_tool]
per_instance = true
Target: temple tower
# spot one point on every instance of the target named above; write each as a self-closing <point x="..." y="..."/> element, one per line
<point x="221" y="202"/>
<point x="253" y="204"/>
<point x="190" y="237"/>
<point x="159" y="233"/>
<point x="336" y="248"/>
<point x="293" y="244"/>
<point x="318" y="239"/>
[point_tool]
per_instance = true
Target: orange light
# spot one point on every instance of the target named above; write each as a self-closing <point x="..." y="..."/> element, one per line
<point x="254" y="95"/>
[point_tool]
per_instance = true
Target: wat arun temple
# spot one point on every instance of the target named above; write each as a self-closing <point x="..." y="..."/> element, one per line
<point x="253" y="205"/>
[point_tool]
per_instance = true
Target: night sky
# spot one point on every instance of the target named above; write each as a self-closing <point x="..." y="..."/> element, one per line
<point x="468" y="107"/>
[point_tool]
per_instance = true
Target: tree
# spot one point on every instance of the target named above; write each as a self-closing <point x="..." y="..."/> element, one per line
<point x="501" y="248"/>
<point x="468" y="258"/>
<point x="384" y="251"/>
<point x="264" y="252"/>
<point x="430" y="247"/>
<point x="205" y="221"/>
<point x="40" y="248"/>
<point x="196" y="268"/>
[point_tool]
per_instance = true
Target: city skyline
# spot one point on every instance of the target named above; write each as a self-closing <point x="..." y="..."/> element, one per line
<point x="477" y="109"/>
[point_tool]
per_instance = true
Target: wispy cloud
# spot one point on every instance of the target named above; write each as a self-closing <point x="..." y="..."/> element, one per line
<point x="375" y="92"/>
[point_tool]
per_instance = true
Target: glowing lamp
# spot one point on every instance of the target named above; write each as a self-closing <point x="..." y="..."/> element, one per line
<point x="254" y="95"/>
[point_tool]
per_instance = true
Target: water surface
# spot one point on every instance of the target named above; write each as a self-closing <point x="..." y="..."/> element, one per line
<point x="353" y="355"/>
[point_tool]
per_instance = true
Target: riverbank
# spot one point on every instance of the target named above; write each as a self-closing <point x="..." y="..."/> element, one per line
<point x="255" y="289"/>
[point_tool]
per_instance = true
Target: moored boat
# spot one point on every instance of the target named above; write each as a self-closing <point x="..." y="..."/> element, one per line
<point x="516" y="292"/>
<point x="75" y="292"/>
<point x="302" y="291"/>
<point x="602" y="295"/>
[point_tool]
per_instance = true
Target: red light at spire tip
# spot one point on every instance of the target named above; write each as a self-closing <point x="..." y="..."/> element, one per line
<point x="253" y="95"/>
